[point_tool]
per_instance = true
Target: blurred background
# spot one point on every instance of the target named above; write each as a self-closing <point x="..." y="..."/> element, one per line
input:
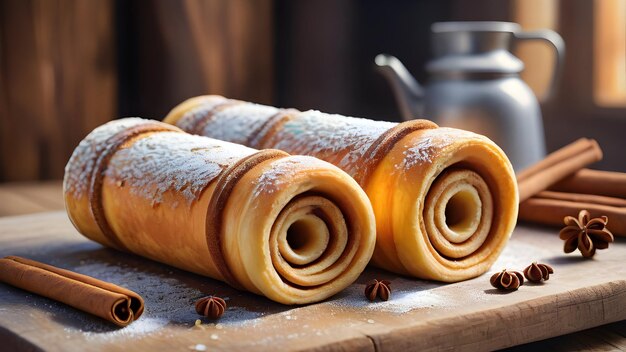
<point x="67" y="66"/>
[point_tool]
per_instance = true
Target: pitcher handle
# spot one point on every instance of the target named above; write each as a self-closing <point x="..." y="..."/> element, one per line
<point x="553" y="39"/>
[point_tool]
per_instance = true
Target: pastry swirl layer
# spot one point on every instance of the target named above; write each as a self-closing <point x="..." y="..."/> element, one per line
<point x="293" y="228"/>
<point x="445" y="200"/>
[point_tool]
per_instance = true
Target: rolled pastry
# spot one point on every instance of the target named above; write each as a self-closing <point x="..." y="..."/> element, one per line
<point x="292" y="228"/>
<point x="445" y="200"/>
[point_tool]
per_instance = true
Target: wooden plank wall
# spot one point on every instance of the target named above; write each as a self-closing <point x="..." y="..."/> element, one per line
<point x="57" y="81"/>
<point x="237" y="61"/>
<point x="178" y="49"/>
<point x="67" y="66"/>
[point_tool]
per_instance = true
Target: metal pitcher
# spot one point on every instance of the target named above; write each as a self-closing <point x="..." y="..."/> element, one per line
<point x="474" y="84"/>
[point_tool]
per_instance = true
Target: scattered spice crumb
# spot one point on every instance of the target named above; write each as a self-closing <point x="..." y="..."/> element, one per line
<point x="198" y="324"/>
<point x="198" y="347"/>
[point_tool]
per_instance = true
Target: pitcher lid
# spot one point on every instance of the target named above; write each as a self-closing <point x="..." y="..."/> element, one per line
<point x="494" y="62"/>
<point x="475" y="26"/>
<point x="473" y="47"/>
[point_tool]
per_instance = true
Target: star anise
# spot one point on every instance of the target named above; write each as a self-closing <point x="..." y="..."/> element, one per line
<point x="507" y="280"/>
<point x="537" y="272"/>
<point x="211" y="307"/>
<point x="378" y="288"/>
<point x="585" y="233"/>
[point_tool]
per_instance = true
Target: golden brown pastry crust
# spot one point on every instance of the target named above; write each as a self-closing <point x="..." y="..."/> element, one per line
<point x="224" y="185"/>
<point x="401" y="167"/>
<point x="97" y="177"/>
<point x="210" y="207"/>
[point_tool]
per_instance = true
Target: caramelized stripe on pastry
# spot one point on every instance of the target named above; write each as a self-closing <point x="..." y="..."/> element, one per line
<point x="337" y="139"/>
<point x="310" y="237"/>
<point x="175" y="116"/>
<point x="268" y="127"/>
<point x="97" y="176"/>
<point x="385" y="142"/>
<point x="224" y="186"/>
<point x="207" y="114"/>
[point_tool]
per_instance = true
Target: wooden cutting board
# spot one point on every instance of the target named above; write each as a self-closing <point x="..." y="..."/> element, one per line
<point x="421" y="315"/>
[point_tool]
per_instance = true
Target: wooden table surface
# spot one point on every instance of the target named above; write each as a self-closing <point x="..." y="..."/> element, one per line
<point x="25" y="198"/>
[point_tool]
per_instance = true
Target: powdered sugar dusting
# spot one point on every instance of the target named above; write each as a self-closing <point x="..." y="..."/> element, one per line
<point x="169" y="302"/>
<point x="172" y="161"/>
<point x="283" y="171"/>
<point x="255" y="322"/>
<point x="82" y="162"/>
<point x="425" y="150"/>
<point x="237" y="123"/>
<point x="422" y="152"/>
<point x="406" y="296"/>
<point x="518" y="255"/>
<point x="338" y="139"/>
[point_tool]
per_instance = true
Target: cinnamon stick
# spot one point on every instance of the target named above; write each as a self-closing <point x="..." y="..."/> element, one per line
<point x="583" y="198"/>
<point x="550" y="208"/>
<point x="108" y="301"/>
<point x="557" y="166"/>
<point x="603" y="183"/>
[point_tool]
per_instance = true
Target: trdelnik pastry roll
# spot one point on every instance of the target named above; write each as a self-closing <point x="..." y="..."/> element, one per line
<point x="292" y="228"/>
<point x="445" y="200"/>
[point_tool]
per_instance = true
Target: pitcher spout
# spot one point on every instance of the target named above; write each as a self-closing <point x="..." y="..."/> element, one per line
<point x="408" y="92"/>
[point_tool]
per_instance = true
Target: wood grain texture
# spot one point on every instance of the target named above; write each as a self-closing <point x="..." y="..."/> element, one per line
<point x="610" y="337"/>
<point x="420" y="316"/>
<point x="178" y="49"/>
<point x="57" y="81"/>
<point x="17" y="198"/>
<point x="59" y="69"/>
